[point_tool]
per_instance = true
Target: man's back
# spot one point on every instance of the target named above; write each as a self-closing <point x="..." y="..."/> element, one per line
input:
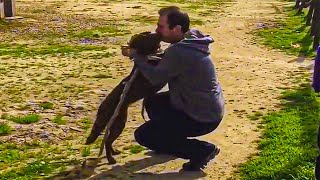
<point x="188" y="69"/>
<point x="196" y="89"/>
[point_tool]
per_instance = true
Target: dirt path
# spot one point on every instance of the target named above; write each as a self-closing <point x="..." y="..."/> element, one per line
<point x="250" y="75"/>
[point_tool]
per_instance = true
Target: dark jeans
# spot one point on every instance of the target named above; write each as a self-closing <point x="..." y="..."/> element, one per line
<point x="168" y="130"/>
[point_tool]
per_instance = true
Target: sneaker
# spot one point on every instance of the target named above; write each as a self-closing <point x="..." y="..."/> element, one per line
<point x="197" y="165"/>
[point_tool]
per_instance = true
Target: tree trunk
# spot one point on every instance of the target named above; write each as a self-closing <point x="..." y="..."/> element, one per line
<point x="316" y="34"/>
<point x="316" y="74"/>
<point x="1" y="9"/>
<point x="315" y="18"/>
<point x="310" y="12"/>
<point x="297" y="4"/>
<point x="301" y="6"/>
<point x="9" y="8"/>
<point x="318" y="168"/>
<point x="316" y="41"/>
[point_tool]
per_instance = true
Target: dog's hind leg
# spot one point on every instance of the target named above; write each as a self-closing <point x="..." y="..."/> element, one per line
<point x="115" y="131"/>
<point x="114" y="152"/>
<point x="111" y="159"/>
<point x="105" y="111"/>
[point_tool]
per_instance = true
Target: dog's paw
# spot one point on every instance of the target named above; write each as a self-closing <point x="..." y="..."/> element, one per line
<point x="116" y="152"/>
<point x="111" y="161"/>
<point x="92" y="138"/>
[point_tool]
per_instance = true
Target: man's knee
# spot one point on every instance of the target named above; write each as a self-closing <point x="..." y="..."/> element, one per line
<point x="140" y="134"/>
<point x="146" y="135"/>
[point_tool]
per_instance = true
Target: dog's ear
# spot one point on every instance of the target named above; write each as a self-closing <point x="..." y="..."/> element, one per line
<point x="132" y="40"/>
<point x="145" y="42"/>
<point x="136" y="38"/>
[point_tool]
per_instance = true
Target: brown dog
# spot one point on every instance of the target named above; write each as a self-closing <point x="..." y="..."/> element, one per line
<point x="145" y="43"/>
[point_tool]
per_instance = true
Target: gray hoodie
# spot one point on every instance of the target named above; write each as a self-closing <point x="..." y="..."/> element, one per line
<point x="188" y="69"/>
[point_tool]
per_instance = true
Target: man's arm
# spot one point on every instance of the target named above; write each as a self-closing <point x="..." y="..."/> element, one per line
<point x="169" y="67"/>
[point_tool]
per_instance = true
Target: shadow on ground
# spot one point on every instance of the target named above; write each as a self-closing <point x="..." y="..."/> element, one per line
<point x="129" y="170"/>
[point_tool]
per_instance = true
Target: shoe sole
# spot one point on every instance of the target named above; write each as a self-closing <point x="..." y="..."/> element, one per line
<point x="205" y="162"/>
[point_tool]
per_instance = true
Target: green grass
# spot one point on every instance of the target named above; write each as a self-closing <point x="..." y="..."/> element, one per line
<point x="154" y="19"/>
<point x="288" y="147"/>
<point x="64" y="39"/>
<point x="100" y="55"/>
<point x="85" y="123"/>
<point x="58" y="119"/>
<point x="5" y="129"/>
<point x="102" y="31"/>
<point x="38" y="169"/>
<point x="102" y="76"/>
<point x="24" y="107"/>
<point x="46" y="105"/>
<point x="134" y="149"/>
<point x="144" y="19"/>
<point x="257" y="115"/>
<point x="287" y="33"/>
<point x="10" y="155"/>
<point x="200" y="3"/>
<point x="3" y="23"/>
<point x="23" y="50"/>
<point x="33" y="170"/>
<point x="4" y="116"/>
<point x="27" y="119"/>
<point x="85" y="151"/>
<point x="34" y="161"/>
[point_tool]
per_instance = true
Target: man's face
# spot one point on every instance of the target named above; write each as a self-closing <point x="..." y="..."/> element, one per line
<point x="167" y="35"/>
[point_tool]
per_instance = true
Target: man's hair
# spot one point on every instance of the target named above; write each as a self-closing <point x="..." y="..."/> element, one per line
<point x="166" y="10"/>
<point x="176" y="18"/>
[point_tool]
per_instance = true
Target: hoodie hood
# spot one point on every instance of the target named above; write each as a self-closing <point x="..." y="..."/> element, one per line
<point x="197" y="40"/>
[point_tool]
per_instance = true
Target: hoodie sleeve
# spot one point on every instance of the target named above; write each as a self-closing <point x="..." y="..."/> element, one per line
<point x="169" y="67"/>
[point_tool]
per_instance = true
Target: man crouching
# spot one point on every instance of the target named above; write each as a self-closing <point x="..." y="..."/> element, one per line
<point x="194" y="104"/>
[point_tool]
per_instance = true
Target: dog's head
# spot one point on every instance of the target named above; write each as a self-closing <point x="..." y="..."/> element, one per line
<point x="145" y="43"/>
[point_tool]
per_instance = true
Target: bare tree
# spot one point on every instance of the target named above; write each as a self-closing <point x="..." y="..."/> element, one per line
<point x="297" y="4"/>
<point x="300" y="4"/>
<point x="310" y="12"/>
<point x="9" y="8"/>
<point x="315" y="25"/>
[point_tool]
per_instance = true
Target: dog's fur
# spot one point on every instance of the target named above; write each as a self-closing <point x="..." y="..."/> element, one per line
<point x="145" y="43"/>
